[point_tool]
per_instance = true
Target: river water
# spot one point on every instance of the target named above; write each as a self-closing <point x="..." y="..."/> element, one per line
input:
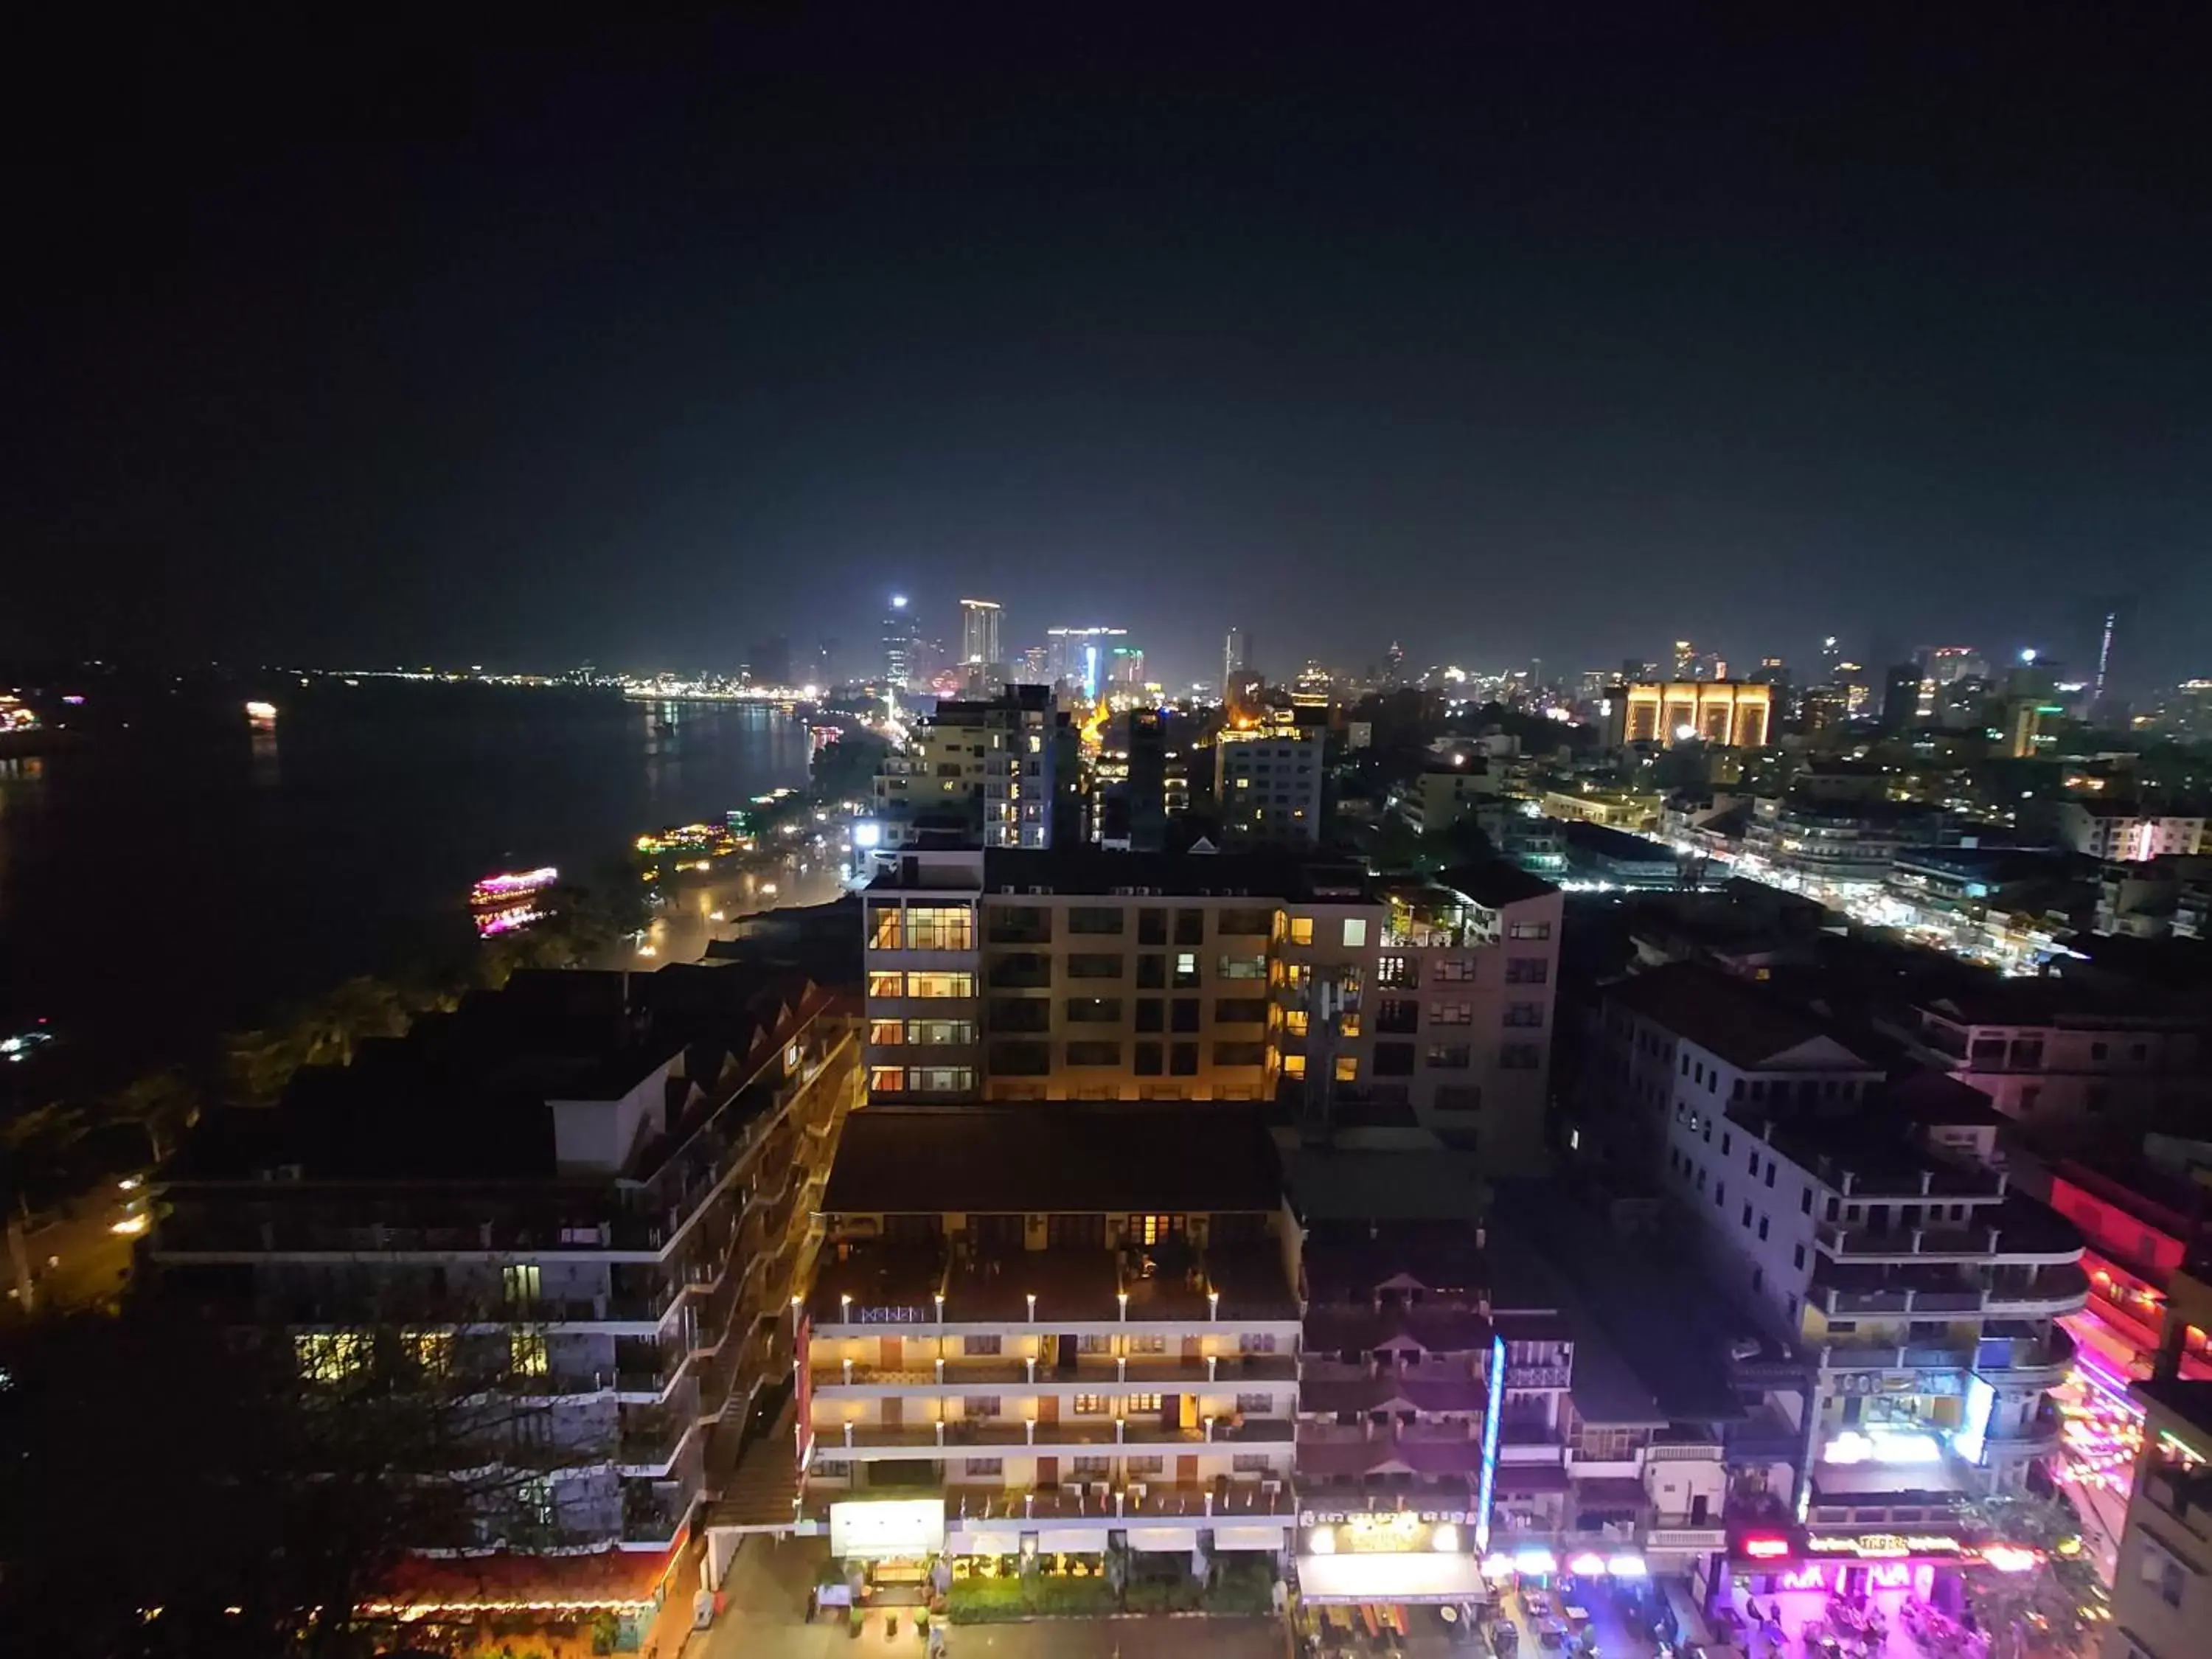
<point x="183" y="874"/>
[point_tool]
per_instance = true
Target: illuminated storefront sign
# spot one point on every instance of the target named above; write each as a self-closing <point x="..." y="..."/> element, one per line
<point x="1493" y="1413"/>
<point x="1388" y="1532"/>
<point x="1885" y="1545"/>
<point x="1971" y="1438"/>
<point x="887" y="1526"/>
<point x="1766" y="1549"/>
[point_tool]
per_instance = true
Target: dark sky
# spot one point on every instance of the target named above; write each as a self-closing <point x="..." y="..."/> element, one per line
<point x="1551" y="331"/>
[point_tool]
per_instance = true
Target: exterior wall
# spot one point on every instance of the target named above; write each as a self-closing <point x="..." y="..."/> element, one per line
<point x="2128" y="837"/>
<point x="1267" y="785"/>
<point x="2162" y="1592"/>
<point x="2079" y="1073"/>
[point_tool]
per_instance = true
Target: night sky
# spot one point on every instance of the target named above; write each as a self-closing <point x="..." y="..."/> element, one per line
<point x="1503" y="335"/>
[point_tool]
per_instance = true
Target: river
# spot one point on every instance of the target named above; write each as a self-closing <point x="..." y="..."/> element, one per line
<point x="181" y="874"/>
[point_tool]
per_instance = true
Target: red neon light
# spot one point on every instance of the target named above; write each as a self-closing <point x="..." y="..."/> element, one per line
<point x="1766" y="1549"/>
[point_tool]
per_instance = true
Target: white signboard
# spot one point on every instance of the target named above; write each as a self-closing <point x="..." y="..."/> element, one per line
<point x="887" y="1526"/>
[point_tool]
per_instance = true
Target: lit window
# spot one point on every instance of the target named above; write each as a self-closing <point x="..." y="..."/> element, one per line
<point x="886" y="1079"/>
<point x="1347" y="1068"/>
<point x="885" y="1032"/>
<point x="1294" y="1021"/>
<point x="526" y="1352"/>
<point x="1294" y="1064"/>
<point x="1302" y="930"/>
<point x="1142" y="1402"/>
<point x="1355" y="931"/>
<point x="431" y="1349"/>
<point x="330" y="1355"/>
<point x="882" y="983"/>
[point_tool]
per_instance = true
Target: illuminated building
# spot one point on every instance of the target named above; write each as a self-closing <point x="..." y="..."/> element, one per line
<point x="1268" y="783"/>
<point x="1126" y="666"/>
<point x="983" y="668"/>
<point x="1946" y="664"/>
<point x="2162" y="1593"/>
<point x="901" y="640"/>
<point x="1234" y="660"/>
<point x="1015" y="976"/>
<point x="15" y="715"/>
<point x="2143" y="1226"/>
<point x="1730" y="714"/>
<point x="613" y="1246"/>
<point x="1080" y="658"/>
<point x="2127" y="833"/>
<point x="1928" y="1290"/>
<point x="1837" y="841"/>
<point x="1034" y="1335"/>
<point x="996" y="772"/>
<point x="1685" y="660"/>
<point x="1438" y="797"/>
<point x="1824" y="707"/>
<point x="1144" y="778"/>
<point x="1034" y="666"/>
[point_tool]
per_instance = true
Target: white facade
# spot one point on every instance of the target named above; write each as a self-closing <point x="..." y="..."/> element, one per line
<point x="2127" y="835"/>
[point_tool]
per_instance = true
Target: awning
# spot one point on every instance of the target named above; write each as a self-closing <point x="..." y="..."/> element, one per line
<point x="1413" y="1576"/>
<point x="1063" y="1538"/>
<point x="1249" y="1538"/>
<point x="1164" y="1538"/>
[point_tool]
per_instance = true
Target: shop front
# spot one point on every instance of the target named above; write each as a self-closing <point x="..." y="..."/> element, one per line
<point x="888" y="1545"/>
<point x="1365" y="1570"/>
<point x="1795" y="1585"/>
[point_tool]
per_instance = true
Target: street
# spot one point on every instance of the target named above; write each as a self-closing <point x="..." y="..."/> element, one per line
<point x="77" y="1261"/>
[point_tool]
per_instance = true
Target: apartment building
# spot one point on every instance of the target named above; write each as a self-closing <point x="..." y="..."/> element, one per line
<point x="1928" y="1292"/>
<point x="1014" y="975"/>
<point x="2126" y="832"/>
<point x="1267" y="784"/>
<point x="1439" y="797"/>
<point x="593" y="1189"/>
<point x="1001" y="771"/>
<point x="2066" y="1057"/>
<point x="1836" y="840"/>
<point x="2162" y="1591"/>
<point x="1038" y="1333"/>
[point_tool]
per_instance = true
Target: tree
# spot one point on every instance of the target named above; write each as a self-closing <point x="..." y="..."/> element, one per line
<point x="2047" y="1605"/>
<point x="164" y="1103"/>
<point x="279" y="1486"/>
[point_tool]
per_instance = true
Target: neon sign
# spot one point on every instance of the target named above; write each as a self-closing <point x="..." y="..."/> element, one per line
<point x="1766" y="1549"/>
<point x="1918" y="1578"/>
<point x="1492" y="1415"/>
<point x="1879" y="1546"/>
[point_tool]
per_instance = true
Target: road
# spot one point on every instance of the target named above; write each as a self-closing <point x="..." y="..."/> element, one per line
<point x="78" y="1260"/>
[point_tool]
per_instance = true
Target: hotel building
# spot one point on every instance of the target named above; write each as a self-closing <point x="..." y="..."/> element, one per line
<point x="1013" y="976"/>
<point x="1728" y="714"/>
<point x="1034" y="1332"/>
<point x="593" y="1188"/>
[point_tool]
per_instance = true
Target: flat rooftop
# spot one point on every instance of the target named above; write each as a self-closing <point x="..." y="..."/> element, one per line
<point x="1169" y="1158"/>
<point x="1080" y="870"/>
<point x="1073" y="1284"/>
<point x="1725" y="1016"/>
<point x="2190" y="1401"/>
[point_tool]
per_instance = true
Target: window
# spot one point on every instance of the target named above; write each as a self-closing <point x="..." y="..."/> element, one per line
<point x="1140" y="1402"/>
<point x="886" y="982"/>
<point x="1255" y="1342"/>
<point x="431" y="1351"/>
<point x="1458" y="1098"/>
<point x="1399" y="1014"/>
<point x="1184" y="1014"/>
<point x="1186" y="970"/>
<point x="330" y="1355"/>
<point x="883" y="927"/>
<point x="1190" y="927"/>
<point x="940" y="1033"/>
<point x="536" y="1499"/>
<point x="1762" y="1226"/>
<point x="1183" y="1060"/>
<point x="1151" y="928"/>
<point x="940" y="928"/>
<point x="1294" y="1066"/>
<point x="1393" y="1059"/>
<point x="975" y="1346"/>
<point x="1152" y="973"/>
<point x="1094" y="919"/>
<point x="1251" y="1463"/>
<point x="886" y="1079"/>
<point x="1528" y="970"/>
<point x="1094" y="1011"/>
<point x="990" y="1466"/>
<point x="1240" y="1053"/>
<point x="1092" y="965"/>
<point x="1451" y="1013"/>
<point x="1347" y="1068"/>
<point x="1720" y="1193"/>
<point x="1746" y="1217"/>
<point x="1145" y="1465"/>
<point x="1094" y="1054"/>
<point x="1253" y="967"/>
<point x="1148" y="1059"/>
<point x="1090" y="1405"/>
<point x="884" y="1033"/>
<point x="1725" y="1138"/>
<point x="1302" y="930"/>
<point x="1151" y="1014"/>
<point x="1100" y="1467"/>
<point x="1449" y="1057"/>
<point x="1355" y="931"/>
<point x="1240" y="1011"/>
<point x="1527" y="1014"/>
<point x="1294" y="1023"/>
<point x="941" y="1080"/>
<point x="1805" y="1202"/>
<point x="1397" y="973"/>
<point x="940" y="985"/>
<point x="526" y="1352"/>
<point x="1529" y="930"/>
<point x="2162" y="1573"/>
<point x="1758" y="1279"/>
<point x="1520" y="1057"/>
<point x="1256" y="1405"/>
<point x="520" y="1284"/>
<point x="1770" y="1172"/>
<point x="1452" y="970"/>
<point x="1798" y="1256"/>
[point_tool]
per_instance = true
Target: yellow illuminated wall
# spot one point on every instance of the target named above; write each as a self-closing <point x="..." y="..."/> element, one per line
<point x="1727" y="713"/>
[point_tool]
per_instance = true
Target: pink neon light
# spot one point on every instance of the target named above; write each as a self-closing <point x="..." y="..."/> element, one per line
<point x="1811" y="1575"/>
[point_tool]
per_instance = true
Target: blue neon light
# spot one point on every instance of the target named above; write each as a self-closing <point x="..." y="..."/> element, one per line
<point x="1494" y="1414"/>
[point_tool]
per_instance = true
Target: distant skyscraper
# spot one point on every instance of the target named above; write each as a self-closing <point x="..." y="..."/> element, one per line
<point x="980" y="661"/>
<point x="1079" y="657"/>
<point x="902" y="637"/>
<point x="1034" y="667"/>
<point x="1393" y="661"/>
<point x="1127" y="665"/>
<point x="1685" y="660"/>
<point x="1234" y="660"/>
<point x="1900" y="698"/>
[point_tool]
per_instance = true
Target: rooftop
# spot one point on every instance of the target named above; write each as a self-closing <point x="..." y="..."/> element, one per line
<point x="1871" y="1148"/>
<point x="1496" y="884"/>
<point x="1077" y="1283"/>
<point x="2190" y="1402"/>
<point x="1167" y="1159"/>
<point x="1263" y="873"/>
<point x="1348" y="1262"/>
<point x="1724" y="1016"/>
